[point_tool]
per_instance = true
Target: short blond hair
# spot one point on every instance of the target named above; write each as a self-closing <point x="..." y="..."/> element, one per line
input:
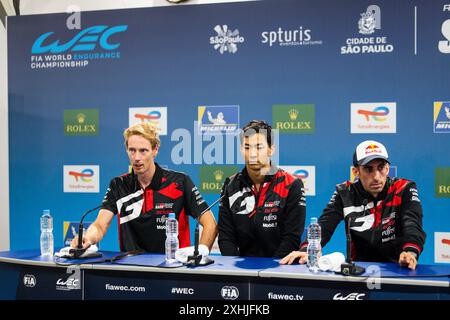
<point x="145" y="130"/>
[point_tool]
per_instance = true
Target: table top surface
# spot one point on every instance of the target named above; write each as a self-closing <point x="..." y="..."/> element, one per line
<point x="429" y="275"/>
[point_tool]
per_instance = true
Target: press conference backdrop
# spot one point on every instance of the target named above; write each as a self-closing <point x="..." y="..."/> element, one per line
<point x="327" y="74"/>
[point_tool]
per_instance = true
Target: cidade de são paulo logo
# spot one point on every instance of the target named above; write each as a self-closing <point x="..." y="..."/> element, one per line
<point x="444" y="44"/>
<point x="370" y="40"/>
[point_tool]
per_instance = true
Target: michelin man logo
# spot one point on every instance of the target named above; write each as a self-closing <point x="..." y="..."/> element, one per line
<point x="226" y="40"/>
<point x="370" y="20"/>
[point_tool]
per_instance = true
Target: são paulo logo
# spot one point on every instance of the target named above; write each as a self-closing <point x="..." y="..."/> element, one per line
<point x="226" y="40"/>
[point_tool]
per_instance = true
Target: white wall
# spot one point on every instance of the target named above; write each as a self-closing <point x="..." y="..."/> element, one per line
<point x="4" y="168"/>
<point x="39" y="7"/>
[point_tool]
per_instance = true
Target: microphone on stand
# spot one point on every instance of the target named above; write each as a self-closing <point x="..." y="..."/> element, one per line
<point x="197" y="259"/>
<point x="79" y="250"/>
<point x="349" y="268"/>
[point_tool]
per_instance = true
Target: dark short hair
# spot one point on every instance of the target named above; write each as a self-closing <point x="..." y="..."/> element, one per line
<point x="258" y="126"/>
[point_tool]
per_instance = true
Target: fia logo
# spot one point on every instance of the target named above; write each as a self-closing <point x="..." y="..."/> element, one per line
<point x="29" y="281"/>
<point x="229" y="293"/>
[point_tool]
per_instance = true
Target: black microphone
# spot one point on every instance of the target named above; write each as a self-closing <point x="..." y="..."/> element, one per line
<point x="197" y="259"/>
<point x="349" y="268"/>
<point x="79" y="250"/>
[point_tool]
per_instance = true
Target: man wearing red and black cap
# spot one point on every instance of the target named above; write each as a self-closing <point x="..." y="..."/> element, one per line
<point x="386" y="213"/>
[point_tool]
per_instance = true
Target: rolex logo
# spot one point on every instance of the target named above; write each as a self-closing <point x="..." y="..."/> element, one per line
<point x="218" y="175"/>
<point x="81" y="117"/>
<point x="81" y="122"/>
<point x="293" y="114"/>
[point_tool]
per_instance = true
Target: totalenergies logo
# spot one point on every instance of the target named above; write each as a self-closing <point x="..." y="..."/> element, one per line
<point x="151" y="116"/>
<point x="378" y="114"/>
<point x="85" y="40"/>
<point x="301" y="174"/>
<point x="83" y="175"/>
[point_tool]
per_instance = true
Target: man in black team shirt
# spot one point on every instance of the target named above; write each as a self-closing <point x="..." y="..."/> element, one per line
<point x="143" y="199"/>
<point x="262" y="213"/>
<point x="385" y="214"/>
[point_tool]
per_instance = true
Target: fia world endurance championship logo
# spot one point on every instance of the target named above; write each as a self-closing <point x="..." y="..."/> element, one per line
<point x="55" y="50"/>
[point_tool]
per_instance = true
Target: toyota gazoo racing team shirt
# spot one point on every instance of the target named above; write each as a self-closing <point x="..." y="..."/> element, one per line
<point x="142" y="214"/>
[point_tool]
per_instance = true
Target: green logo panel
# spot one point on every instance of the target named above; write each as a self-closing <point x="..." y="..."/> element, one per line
<point x="81" y="122"/>
<point x="213" y="177"/>
<point x="442" y="182"/>
<point x="294" y="118"/>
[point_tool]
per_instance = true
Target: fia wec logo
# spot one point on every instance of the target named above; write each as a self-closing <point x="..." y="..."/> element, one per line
<point x="351" y="296"/>
<point x="85" y="40"/>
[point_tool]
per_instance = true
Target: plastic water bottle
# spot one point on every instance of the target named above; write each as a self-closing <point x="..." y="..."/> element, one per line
<point x="47" y="243"/>
<point x="172" y="242"/>
<point x="314" y="248"/>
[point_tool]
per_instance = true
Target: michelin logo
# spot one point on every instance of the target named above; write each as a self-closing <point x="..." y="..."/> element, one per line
<point x="218" y="119"/>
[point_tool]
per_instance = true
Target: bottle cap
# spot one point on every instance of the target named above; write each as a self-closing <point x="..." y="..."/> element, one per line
<point x="314" y="220"/>
<point x="172" y="215"/>
<point x="46" y="211"/>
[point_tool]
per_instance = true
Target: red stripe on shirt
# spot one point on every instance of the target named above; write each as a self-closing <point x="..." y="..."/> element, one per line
<point x="120" y="234"/>
<point x="281" y="188"/>
<point x="148" y="201"/>
<point x="171" y="191"/>
<point x="395" y="202"/>
<point x="262" y="195"/>
<point x="184" y="236"/>
<point x="398" y="186"/>
<point x="412" y="245"/>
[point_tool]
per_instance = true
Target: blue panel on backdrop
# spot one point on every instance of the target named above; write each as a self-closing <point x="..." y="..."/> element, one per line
<point x="354" y="71"/>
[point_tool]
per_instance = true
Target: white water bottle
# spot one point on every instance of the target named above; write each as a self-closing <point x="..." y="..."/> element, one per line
<point x="46" y="242"/>
<point x="314" y="248"/>
<point x="172" y="242"/>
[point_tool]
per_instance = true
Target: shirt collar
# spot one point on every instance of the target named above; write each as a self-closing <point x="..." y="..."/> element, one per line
<point x="156" y="182"/>
<point x="368" y="196"/>
<point x="268" y="177"/>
